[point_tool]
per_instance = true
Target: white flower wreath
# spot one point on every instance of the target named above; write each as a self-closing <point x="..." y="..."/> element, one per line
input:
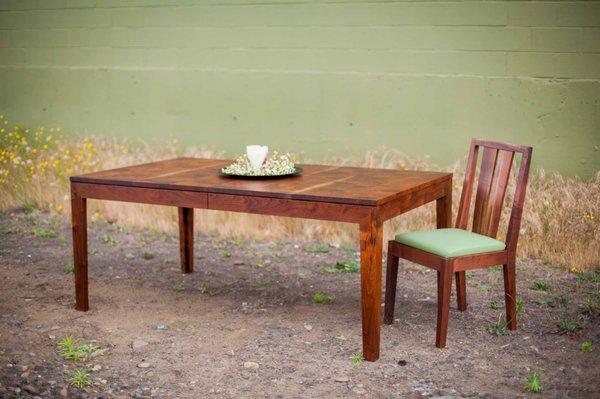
<point x="275" y="165"/>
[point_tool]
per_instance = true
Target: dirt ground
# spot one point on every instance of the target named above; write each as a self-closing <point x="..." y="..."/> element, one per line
<point x="170" y="335"/>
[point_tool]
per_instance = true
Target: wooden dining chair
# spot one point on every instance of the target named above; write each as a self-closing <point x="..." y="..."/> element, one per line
<point x="451" y="251"/>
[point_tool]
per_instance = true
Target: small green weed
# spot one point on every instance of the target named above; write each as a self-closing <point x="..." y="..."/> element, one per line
<point x="257" y="264"/>
<point x="567" y="325"/>
<point x="69" y="269"/>
<point x="533" y="382"/>
<point x="520" y="305"/>
<point x="29" y="207"/>
<point x="224" y="255"/>
<point x="178" y="287"/>
<point x="340" y="267"/>
<point x="43" y="233"/>
<point x="561" y="299"/>
<point x="483" y="287"/>
<point x="263" y="283"/>
<point x="592" y="276"/>
<point x="357" y="358"/>
<point x="497" y="268"/>
<point x="498" y="329"/>
<point x="129" y="256"/>
<point x="586" y="346"/>
<point x="7" y="230"/>
<point x="319" y="297"/>
<point x="67" y="344"/>
<point x="80" y="378"/>
<point x="108" y="239"/>
<point x="589" y="305"/>
<point x="470" y="274"/>
<point x="30" y="218"/>
<point x="540" y="286"/>
<point x="318" y="248"/>
<point x="239" y="240"/>
<point x="147" y="255"/>
<point x="70" y="350"/>
<point x="494" y="304"/>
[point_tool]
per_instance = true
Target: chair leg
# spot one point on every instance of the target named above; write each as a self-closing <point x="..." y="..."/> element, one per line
<point x="461" y="290"/>
<point x="444" y="288"/>
<point x="510" y="294"/>
<point x="391" y="279"/>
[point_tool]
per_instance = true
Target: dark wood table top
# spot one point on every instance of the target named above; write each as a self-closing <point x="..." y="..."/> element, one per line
<point x="336" y="184"/>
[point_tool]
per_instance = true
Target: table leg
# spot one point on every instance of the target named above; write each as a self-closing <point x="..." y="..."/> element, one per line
<point x="444" y="209"/>
<point x="371" y="238"/>
<point x="186" y="239"/>
<point x="80" y="255"/>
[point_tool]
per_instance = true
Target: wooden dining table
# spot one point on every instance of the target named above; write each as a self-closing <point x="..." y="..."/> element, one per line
<point x="364" y="196"/>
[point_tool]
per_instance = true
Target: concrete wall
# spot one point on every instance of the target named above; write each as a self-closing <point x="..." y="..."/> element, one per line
<point x="320" y="76"/>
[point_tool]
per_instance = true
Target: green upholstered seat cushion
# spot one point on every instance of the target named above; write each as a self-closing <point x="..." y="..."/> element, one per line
<point x="450" y="242"/>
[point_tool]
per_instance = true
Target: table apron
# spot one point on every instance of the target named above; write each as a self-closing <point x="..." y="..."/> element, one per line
<point x="141" y="195"/>
<point x="290" y="208"/>
<point x="261" y="205"/>
<point x="415" y="199"/>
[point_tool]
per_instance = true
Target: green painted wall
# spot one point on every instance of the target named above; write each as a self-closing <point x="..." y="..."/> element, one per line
<point x="319" y="76"/>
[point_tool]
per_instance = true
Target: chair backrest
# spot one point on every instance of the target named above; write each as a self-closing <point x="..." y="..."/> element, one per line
<point x="496" y="163"/>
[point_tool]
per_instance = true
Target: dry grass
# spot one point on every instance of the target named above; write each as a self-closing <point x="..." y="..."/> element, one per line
<point x="561" y="223"/>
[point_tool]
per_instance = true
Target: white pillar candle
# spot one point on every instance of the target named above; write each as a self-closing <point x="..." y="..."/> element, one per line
<point x="256" y="155"/>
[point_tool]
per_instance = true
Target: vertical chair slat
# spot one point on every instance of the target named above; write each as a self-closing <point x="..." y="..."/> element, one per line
<point x="488" y="164"/>
<point x="462" y="219"/>
<point x="495" y="202"/>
